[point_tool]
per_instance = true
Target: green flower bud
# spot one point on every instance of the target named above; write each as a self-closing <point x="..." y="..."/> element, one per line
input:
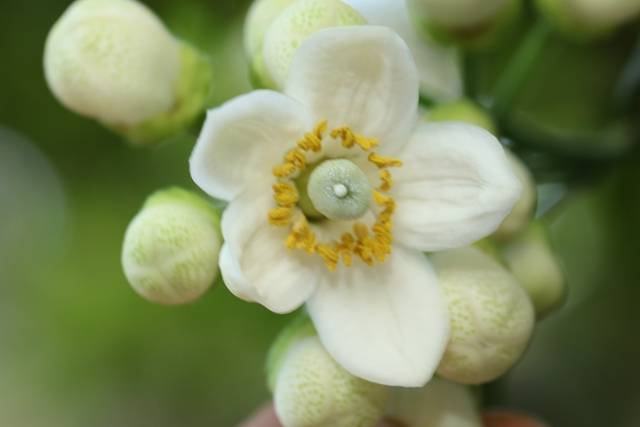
<point x="523" y="211"/>
<point x="299" y="329"/>
<point x="260" y="17"/>
<point x="170" y="251"/>
<point x="472" y="23"/>
<point x="463" y="111"/>
<point x="293" y="26"/>
<point x="531" y="259"/>
<point x="491" y="315"/>
<point x="440" y="403"/>
<point x="114" y="61"/>
<point x="340" y="190"/>
<point x="312" y="390"/>
<point x="585" y="19"/>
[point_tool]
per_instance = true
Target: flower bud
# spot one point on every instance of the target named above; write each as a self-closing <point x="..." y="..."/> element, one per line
<point x="468" y="22"/>
<point x="170" y="251"/>
<point x="491" y="315"/>
<point x="589" y="18"/>
<point x="114" y="61"/>
<point x="531" y="259"/>
<point x="522" y="213"/>
<point x="312" y="390"/>
<point x="463" y="110"/>
<point x="440" y="403"/>
<point x="294" y="25"/>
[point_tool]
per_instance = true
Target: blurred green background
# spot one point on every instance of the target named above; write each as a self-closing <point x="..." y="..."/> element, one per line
<point x="79" y="348"/>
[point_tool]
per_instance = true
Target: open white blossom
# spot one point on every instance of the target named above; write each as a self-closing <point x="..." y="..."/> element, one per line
<point x="347" y="126"/>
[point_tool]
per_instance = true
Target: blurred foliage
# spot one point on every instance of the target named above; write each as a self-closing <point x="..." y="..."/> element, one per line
<point x="79" y="348"/>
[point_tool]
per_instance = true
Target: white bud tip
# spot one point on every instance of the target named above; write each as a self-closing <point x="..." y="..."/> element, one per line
<point x="112" y="60"/>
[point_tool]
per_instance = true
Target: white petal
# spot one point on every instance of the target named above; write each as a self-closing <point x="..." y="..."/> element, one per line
<point x="387" y="323"/>
<point x="363" y="77"/>
<point x="255" y="263"/>
<point x="439" y="67"/>
<point x="456" y="187"/>
<point x="243" y="139"/>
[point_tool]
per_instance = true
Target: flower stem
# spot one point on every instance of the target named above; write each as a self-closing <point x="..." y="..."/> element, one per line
<point x="628" y="86"/>
<point x="518" y="69"/>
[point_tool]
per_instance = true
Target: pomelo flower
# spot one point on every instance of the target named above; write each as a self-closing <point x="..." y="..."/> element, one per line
<point x="335" y="191"/>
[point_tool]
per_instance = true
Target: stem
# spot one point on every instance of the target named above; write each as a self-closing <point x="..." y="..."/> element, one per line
<point x="628" y="86"/>
<point x="520" y="66"/>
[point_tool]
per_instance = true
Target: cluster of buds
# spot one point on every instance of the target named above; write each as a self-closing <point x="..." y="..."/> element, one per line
<point x="114" y="61"/>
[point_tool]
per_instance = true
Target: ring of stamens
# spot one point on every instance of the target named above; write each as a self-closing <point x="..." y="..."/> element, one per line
<point x="370" y="244"/>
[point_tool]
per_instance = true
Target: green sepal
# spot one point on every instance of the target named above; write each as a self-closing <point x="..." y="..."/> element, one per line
<point x="193" y="94"/>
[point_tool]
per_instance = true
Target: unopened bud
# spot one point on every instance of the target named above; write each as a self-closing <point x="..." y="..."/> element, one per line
<point x="114" y="61"/>
<point x="467" y="22"/>
<point x="294" y="25"/>
<point x="462" y="111"/>
<point x="590" y="18"/>
<point x="440" y="403"/>
<point x="491" y="316"/>
<point x="171" y="248"/>
<point x="531" y="259"/>
<point x="312" y="390"/>
<point x="522" y="213"/>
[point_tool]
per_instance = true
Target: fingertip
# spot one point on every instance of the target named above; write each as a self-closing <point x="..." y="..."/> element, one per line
<point x="264" y="417"/>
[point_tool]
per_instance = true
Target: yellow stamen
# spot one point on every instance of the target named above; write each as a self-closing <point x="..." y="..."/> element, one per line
<point x="284" y="170"/>
<point x="312" y="141"/>
<point x="384" y="162"/>
<point x="386" y="179"/>
<point x="369" y="243"/>
<point x="350" y="139"/>
<point x="280" y="216"/>
<point x="285" y="195"/>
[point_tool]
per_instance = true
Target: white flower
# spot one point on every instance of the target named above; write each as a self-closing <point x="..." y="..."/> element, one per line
<point x="348" y="120"/>
<point x="112" y="60"/>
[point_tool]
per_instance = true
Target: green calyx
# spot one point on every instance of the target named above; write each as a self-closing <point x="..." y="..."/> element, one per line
<point x="193" y="92"/>
<point x="339" y="190"/>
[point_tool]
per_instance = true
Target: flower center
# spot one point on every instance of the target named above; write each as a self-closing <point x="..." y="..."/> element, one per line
<point x="337" y="189"/>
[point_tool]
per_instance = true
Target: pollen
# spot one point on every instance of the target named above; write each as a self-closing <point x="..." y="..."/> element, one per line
<point x="370" y="243"/>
